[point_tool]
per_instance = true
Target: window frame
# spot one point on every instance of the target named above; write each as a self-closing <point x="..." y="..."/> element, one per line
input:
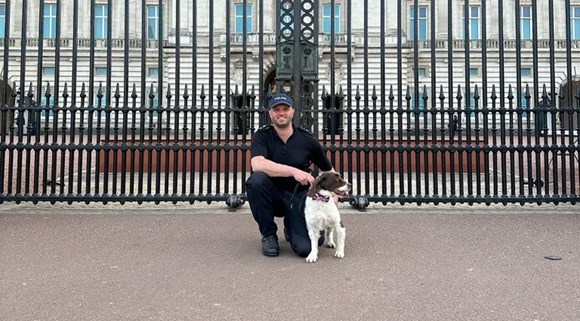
<point x="423" y="23"/>
<point x="474" y="72"/>
<point x="99" y="69"/>
<point x="49" y="71"/>
<point x="50" y="32"/>
<point x="239" y="19"/>
<point x="423" y="71"/>
<point x="337" y="18"/>
<point x="526" y="21"/>
<point x="150" y="74"/>
<point x="471" y="20"/>
<point x="2" y="21"/>
<point x="153" y="22"/>
<point x="575" y="22"/>
<point x="529" y="75"/>
<point x="103" y="18"/>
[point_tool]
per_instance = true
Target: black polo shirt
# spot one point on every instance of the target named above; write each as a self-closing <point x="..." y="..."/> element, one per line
<point x="301" y="150"/>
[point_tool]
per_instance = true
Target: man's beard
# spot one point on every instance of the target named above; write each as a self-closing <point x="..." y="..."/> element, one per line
<point x="286" y="124"/>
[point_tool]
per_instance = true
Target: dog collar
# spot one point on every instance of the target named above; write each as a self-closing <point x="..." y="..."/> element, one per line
<point x="320" y="197"/>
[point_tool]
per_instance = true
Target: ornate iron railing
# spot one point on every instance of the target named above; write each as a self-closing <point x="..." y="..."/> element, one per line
<point x="437" y="119"/>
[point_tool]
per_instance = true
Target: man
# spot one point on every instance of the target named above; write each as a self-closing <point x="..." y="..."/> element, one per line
<point x="281" y="158"/>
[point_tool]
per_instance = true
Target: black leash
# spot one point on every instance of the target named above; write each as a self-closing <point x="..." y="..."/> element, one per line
<point x="294" y="193"/>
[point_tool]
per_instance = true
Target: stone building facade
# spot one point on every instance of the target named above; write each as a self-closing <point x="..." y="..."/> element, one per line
<point x="162" y="46"/>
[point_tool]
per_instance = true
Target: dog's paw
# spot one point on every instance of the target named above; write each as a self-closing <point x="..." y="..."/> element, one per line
<point x="311" y="258"/>
<point x="330" y="244"/>
<point x="339" y="254"/>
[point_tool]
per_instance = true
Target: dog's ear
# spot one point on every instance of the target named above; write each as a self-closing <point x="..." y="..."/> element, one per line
<point x="315" y="188"/>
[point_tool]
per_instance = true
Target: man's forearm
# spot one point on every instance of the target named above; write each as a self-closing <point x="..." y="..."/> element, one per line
<point x="271" y="168"/>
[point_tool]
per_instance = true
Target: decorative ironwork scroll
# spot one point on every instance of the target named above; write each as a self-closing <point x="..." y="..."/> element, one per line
<point x="297" y="57"/>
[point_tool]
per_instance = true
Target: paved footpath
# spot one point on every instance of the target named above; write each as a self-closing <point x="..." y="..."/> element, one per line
<point x="203" y="262"/>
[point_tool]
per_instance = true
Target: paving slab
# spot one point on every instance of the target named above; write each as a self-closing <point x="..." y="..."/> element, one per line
<point x="203" y="262"/>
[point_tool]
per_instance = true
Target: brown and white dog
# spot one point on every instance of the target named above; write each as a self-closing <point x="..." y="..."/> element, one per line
<point x="321" y="213"/>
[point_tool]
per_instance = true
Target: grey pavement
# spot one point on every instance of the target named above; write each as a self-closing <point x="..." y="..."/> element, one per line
<point x="203" y="262"/>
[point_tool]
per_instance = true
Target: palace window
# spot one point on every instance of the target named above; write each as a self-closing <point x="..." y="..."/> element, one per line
<point x="327" y="18"/>
<point x="152" y="72"/>
<point x="474" y="72"/>
<point x="474" y="22"/>
<point x="101" y="18"/>
<point x="239" y="18"/>
<point x="101" y="71"/>
<point x="526" y="22"/>
<point x="2" y="19"/>
<point x="48" y="71"/>
<point x="575" y="23"/>
<point x="49" y="18"/>
<point x="421" y="15"/>
<point x="152" y="22"/>
<point x="526" y="72"/>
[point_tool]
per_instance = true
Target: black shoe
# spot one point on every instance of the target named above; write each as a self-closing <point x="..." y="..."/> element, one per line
<point x="270" y="245"/>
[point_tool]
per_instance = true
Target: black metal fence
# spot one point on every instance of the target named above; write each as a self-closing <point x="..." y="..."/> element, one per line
<point x="405" y="116"/>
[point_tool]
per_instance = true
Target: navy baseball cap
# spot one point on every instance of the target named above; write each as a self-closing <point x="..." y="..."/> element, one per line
<point x="280" y="99"/>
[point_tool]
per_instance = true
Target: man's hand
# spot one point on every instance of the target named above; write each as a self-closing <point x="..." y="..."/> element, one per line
<point x="302" y="177"/>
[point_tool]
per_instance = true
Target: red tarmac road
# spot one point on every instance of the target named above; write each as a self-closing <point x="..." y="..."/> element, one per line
<point x="402" y="263"/>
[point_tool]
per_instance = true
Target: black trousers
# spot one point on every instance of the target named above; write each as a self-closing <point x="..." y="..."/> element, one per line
<point x="267" y="201"/>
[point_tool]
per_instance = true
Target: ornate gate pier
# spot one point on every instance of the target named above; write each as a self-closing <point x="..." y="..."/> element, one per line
<point x="297" y="56"/>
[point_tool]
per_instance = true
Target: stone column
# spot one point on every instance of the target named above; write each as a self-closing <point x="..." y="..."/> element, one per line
<point x="391" y="15"/>
<point x="269" y="8"/>
<point x="442" y="17"/>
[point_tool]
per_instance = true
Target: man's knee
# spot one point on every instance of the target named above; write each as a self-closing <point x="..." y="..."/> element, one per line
<point x="257" y="180"/>
<point x="301" y="247"/>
